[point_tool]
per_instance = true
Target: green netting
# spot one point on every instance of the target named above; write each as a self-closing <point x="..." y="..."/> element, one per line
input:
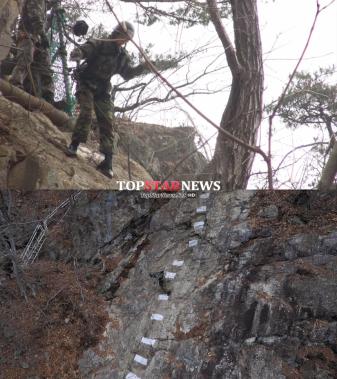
<point x="57" y="50"/>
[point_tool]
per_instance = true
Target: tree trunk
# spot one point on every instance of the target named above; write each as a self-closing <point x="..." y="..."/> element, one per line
<point x="243" y="113"/>
<point x="329" y="171"/>
<point x="33" y="103"/>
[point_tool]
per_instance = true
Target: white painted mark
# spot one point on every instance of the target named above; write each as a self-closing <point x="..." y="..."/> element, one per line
<point x="177" y="263"/>
<point x="140" y="359"/>
<point x="204" y="195"/>
<point x="170" y="275"/>
<point x="148" y="341"/>
<point x="163" y="297"/>
<point x="198" y="226"/>
<point x="157" y="317"/>
<point x="192" y="243"/>
<point x="202" y="209"/>
<point x="131" y="375"/>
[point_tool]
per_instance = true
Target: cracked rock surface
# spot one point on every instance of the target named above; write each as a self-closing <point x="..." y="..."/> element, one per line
<point x="252" y="300"/>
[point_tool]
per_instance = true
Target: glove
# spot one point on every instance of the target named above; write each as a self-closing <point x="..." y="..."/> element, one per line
<point x="76" y="55"/>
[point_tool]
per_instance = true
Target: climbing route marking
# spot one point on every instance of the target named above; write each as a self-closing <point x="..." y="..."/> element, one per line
<point x="148" y="341"/>
<point x="170" y="275"/>
<point x="192" y="243"/>
<point x="131" y="375"/>
<point x="204" y="195"/>
<point x="157" y="317"/>
<point x="140" y="359"/>
<point x="177" y="263"/>
<point x="198" y="226"/>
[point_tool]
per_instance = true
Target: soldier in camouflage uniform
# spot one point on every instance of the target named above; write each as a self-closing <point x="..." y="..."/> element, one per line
<point x="32" y="70"/>
<point x="103" y="59"/>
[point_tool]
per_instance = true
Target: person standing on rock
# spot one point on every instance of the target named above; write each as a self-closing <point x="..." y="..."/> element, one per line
<point x="102" y="60"/>
<point x="32" y="71"/>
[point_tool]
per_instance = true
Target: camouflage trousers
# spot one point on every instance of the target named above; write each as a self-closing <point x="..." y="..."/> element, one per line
<point x="32" y="71"/>
<point x="95" y="98"/>
<point x="24" y="59"/>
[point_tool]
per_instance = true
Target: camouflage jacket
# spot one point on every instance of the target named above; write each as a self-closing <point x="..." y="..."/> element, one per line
<point x="33" y="17"/>
<point x="104" y="58"/>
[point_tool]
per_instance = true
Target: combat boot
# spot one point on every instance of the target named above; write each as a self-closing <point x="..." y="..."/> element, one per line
<point x="72" y="149"/>
<point x="105" y="167"/>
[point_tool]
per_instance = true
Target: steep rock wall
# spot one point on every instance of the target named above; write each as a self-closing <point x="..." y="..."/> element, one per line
<point x="256" y="298"/>
<point x="246" y="303"/>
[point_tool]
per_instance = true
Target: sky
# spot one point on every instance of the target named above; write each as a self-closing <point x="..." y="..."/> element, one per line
<point x="285" y="26"/>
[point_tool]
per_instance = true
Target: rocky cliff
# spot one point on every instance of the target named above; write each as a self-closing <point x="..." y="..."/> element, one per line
<point x="247" y="292"/>
<point x="32" y="153"/>
<point x="9" y="10"/>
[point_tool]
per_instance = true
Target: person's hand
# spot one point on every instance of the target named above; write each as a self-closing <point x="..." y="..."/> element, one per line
<point x="76" y="55"/>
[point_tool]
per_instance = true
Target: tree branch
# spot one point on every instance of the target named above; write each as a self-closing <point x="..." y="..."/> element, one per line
<point x="283" y="95"/>
<point x="224" y="37"/>
<point x="228" y="135"/>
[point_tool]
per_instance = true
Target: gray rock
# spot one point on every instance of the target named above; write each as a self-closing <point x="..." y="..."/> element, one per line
<point x="90" y="361"/>
<point x="295" y="220"/>
<point x="240" y="233"/>
<point x="8" y="332"/>
<point x="270" y="212"/>
<point x="246" y="303"/>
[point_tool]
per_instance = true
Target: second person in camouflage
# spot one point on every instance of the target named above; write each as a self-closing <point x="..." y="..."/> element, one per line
<point x="103" y="59"/>
<point x="32" y="70"/>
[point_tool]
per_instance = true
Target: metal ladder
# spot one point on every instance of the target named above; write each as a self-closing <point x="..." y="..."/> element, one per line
<point x="39" y="235"/>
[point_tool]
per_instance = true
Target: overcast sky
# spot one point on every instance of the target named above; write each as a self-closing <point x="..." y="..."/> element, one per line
<point x="284" y="25"/>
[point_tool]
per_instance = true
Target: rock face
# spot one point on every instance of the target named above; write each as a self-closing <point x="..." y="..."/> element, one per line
<point x="159" y="149"/>
<point x="9" y="10"/>
<point x="32" y="153"/>
<point x="233" y="290"/>
<point x="256" y="298"/>
<point x="110" y="222"/>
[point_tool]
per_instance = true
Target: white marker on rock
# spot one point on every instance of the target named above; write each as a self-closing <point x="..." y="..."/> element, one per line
<point x="170" y="275"/>
<point x="148" y="341"/>
<point x="163" y="297"/>
<point x="202" y="209"/>
<point x="141" y="360"/>
<point x="193" y="243"/>
<point x="198" y="226"/>
<point x="131" y="375"/>
<point x="204" y="195"/>
<point x="177" y="263"/>
<point x="157" y="317"/>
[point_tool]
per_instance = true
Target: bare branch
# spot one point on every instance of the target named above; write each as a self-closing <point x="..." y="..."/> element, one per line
<point x="224" y="37"/>
<point x="228" y="135"/>
<point x="291" y="78"/>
